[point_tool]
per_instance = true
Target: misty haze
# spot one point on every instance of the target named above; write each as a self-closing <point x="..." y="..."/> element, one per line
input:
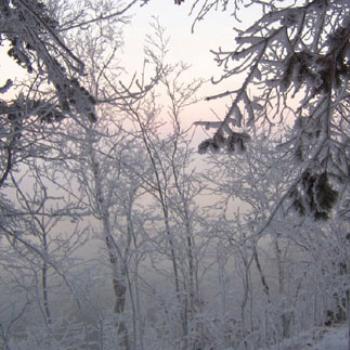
<point x="174" y="175"/>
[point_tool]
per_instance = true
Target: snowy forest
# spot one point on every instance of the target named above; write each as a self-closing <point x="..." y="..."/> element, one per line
<point x="126" y="226"/>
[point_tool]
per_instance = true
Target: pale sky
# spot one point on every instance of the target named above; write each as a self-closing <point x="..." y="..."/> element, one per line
<point x="214" y="31"/>
<point x="192" y="48"/>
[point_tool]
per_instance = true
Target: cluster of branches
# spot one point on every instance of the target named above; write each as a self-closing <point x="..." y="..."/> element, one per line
<point x="34" y="34"/>
<point x="293" y="64"/>
<point x="140" y="192"/>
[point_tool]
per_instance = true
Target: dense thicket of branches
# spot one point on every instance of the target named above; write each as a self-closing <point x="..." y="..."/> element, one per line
<point x="293" y="64"/>
<point x="115" y="235"/>
<point x="34" y="34"/>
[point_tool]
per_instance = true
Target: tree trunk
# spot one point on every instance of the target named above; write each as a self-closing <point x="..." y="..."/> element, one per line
<point x="44" y="286"/>
<point x="114" y="254"/>
<point x="285" y="316"/>
<point x="348" y="326"/>
<point x="119" y="308"/>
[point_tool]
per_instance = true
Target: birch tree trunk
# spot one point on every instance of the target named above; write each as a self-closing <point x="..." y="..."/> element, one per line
<point x="115" y="257"/>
